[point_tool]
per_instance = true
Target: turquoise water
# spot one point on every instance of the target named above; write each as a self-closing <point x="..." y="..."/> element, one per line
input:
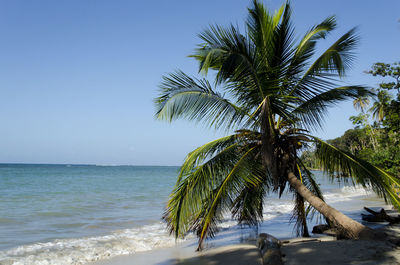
<point x="73" y="214"/>
<point x="39" y="203"/>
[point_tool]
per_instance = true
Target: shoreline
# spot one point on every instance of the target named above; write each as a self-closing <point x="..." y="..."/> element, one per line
<point x="315" y="250"/>
<point x="306" y="248"/>
<point x="231" y="254"/>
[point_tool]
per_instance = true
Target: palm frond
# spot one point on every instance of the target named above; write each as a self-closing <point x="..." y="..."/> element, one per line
<point x="338" y="57"/>
<point x="361" y="103"/>
<point x="185" y="97"/>
<point x="248" y="206"/>
<point x="312" y="112"/>
<point x="215" y="148"/>
<point x="196" y="183"/>
<point x="299" y="216"/>
<point x="343" y="164"/>
<point x="261" y="25"/>
<point x="197" y="156"/>
<point x="317" y="32"/>
<point x="381" y="101"/>
<point x="241" y="174"/>
<point x="233" y="56"/>
<point x="203" y="170"/>
<point x="320" y="76"/>
<point x="306" y="48"/>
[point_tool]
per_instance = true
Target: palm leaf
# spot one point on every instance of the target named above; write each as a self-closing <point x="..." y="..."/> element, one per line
<point x="319" y="77"/>
<point x="299" y="216"/>
<point x="338" y="57"/>
<point x="312" y="112"/>
<point x="185" y="97"/>
<point x="238" y="176"/>
<point x="202" y="171"/>
<point x="306" y="48"/>
<point x="335" y="161"/>
<point x="227" y="51"/>
<point x="248" y="206"/>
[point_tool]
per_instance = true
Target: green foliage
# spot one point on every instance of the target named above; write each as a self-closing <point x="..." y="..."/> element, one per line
<point x="309" y="159"/>
<point x="361" y="103"/>
<point x="380" y="105"/>
<point x="353" y="140"/>
<point x="361" y="120"/>
<point x="378" y="143"/>
<point x="387" y="70"/>
<point x="358" y="142"/>
<point x="392" y="117"/>
<point x="269" y="92"/>
<point x="334" y="160"/>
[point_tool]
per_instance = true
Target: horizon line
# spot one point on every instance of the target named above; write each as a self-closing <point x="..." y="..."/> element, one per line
<point x="85" y="164"/>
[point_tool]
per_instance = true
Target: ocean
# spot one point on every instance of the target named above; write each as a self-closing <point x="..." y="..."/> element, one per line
<point x="74" y="214"/>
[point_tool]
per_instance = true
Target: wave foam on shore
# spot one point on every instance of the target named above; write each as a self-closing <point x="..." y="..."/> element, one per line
<point x="83" y="250"/>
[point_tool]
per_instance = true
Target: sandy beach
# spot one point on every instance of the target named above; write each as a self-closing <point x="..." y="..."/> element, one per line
<point x="231" y="254"/>
<point x="295" y="251"/>
<point x="327" y="250"/>
<point x="319" y="249"/>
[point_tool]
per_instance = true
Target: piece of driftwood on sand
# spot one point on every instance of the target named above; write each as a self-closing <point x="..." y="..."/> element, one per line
<point x="381" y="216"/>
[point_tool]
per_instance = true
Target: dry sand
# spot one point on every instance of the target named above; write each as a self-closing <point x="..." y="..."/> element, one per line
<point x="327" y="250"/>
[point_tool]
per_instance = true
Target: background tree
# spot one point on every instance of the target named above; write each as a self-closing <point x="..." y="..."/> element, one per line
<point x="380" y="105"/>
<point x="386" y="109"/>
<point x="385" y="151"/>
<point x="387" y="70"/>
<point x="361" y="103"/>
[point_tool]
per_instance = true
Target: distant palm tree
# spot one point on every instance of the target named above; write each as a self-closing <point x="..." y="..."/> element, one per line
<point x="273" y="95"/>
<point x="378" y="108"/>
<point x="361" y="103"/>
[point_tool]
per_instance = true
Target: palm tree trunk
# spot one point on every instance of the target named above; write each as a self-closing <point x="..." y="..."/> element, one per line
<point x="268" y="137"/>
<point x="346" y="225"/>
<point x="373" y="138"/>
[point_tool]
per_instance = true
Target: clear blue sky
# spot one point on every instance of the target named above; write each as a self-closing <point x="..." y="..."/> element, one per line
<point x="77" y="78"/>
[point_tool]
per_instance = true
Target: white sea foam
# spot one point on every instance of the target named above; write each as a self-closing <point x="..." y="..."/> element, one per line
<point x="274" y="208"/>
<point x="346" y="193"/>
<point x="277" y="207"/>
<point x="83" y="250"/>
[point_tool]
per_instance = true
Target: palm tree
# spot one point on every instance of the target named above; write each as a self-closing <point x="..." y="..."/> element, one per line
<point x="361" y="103"/>
<point x="378" y="108"/>
<point x="271" y="96"/>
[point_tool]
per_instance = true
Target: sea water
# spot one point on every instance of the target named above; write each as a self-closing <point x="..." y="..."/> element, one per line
<point x="74" y="214"/>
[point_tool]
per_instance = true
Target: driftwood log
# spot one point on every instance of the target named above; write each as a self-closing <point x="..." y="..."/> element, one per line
<point x="380" y="216"/>
<point x="328" y="230"/>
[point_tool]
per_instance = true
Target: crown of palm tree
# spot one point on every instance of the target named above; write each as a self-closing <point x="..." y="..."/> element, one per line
<point x="378" y="108"/>
<point x="270" y="93"/>
<point x="361" y="103"/>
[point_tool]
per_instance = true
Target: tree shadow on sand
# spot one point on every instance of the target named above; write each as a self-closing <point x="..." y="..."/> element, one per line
<point x="228" y="255"/>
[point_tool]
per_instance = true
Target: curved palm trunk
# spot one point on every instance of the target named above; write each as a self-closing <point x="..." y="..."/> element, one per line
<point x="348" y="226"/>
